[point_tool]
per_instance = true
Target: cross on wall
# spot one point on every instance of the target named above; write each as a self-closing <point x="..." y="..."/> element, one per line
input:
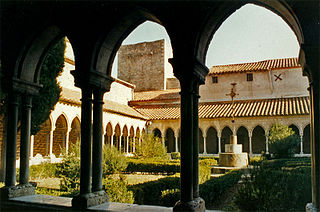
<point x="278" y="77"/>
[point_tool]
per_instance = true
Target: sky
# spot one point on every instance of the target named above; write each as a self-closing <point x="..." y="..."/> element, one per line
<point x="250" y="34"/>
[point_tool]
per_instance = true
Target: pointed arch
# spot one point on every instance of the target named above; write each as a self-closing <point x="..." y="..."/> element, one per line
<point x="212" y="141"/>
<point x="75" y="133"/>
<point x="226" y="134"/>
<point x="59" y="135"/>
<point x="258" y="140"/>
<point x="170" y="140"/>
<point x="243" y="138"/>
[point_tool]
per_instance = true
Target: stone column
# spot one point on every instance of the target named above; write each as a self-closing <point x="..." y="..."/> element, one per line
<point x="219" y="143"/>
<point x="67" y="139"/>
<point x="25" y="139"/>
<point x="163" y="140"/>
<point x="204" y="143"/>
<point x="177" y="142"/>
<point x="51" y="141"/>
<point x="301" y="143"/>
<point x="85" y="154"/>
<point x="97" y="140"/>
<point x="119" y="142"/>
<point x="267" y="144"/>
<point x="127" y="146"/>
<point x="250" y="143"/>
<point x="11" y="156"/>
<point x="31" y="145"/>
<point x="111" y="140"/>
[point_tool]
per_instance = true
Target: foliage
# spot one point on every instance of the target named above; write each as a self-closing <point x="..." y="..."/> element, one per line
<point x="175" y="155"/>
<point x="204" y="173"/>
<point x="151" y="147"/>
<point x="113" y="161"/>
<point x="256" y="160"/>
<point x="69" y="170"/>
<point x="149" y="193"/>
<point x="152" y="167"/>
<point x="212" y="189"/>
<point x="266" y="189"/>
<point x="52" y="192"/>
<point x="43" y="170"/>
<point x="278" y="164"/>
<point x="50" y="92"/>
<point x="169" y="197"/>
<point x="282" y="141"/>
<point x="208" y="162"/>
<point x="117" y="190"/>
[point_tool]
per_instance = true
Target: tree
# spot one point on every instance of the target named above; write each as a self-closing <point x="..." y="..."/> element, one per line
<point x="151" y="147"/>
<point x="282" y="141"/>
<point x="50" y="92"/>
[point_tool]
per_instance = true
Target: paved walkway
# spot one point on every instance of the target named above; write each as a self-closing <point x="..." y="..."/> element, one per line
<point x="64" y="204"/>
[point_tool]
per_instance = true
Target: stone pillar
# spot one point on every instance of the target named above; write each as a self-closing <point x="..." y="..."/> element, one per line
<point x="162" y="140"/>
<point x="250" y="143"/>
<point x="267" y="144"/>
<point x="127" y="146"/>
<point x="25" y="139"/>
<point x="111" y="140"/>
<point x="301" y="143"/>
<point x="11" y="156"/>
<point x="219" y="143"/>
<point x="97" y="140"/>
<point x="85" y="154"/>
<point x="51" y="141"/>
<point x="31" y="145"/>
<point x="67" y="140"/>
<point x="177" y="142"/>
<point x="119" y="142"/>
<point x="204" y="143"/>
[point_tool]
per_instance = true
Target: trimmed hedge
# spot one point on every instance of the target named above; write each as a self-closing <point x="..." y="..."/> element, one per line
<point x="283" y="163"/>
<point x="152" y="167"/>
<point x="149" y="193"/>
<point x="43" y="170"/>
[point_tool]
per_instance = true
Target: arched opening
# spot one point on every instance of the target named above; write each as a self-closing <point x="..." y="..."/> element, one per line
<point x="157" y="133"/>
<point x="306" y="139"/>
<point x="108" y="135"/>
<point x="132" y="143"/>
<point x="258" y="140"/>
<point x="243" y="138"/>
<point x="225" y="137"/>
<point x="297" y="132"/>
<point x="75" y="133"/>
<point x="116" y="137"/>
<point x="212" y="141"/>
<point x="201" y="144"/>
<point x="124" y="140"/>
<point x="59" y="136"/>
<point x="138" y="137"/>
<point x="41" y="143"/>
<point x="170" y="140"/>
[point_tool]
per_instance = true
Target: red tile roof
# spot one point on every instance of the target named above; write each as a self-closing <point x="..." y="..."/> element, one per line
<point x="242" y="108"/>
<point x="265" y="65"/>
<point x="169" y="94"/>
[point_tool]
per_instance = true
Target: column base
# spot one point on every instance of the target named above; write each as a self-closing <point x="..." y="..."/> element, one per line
<point x="311" y="208"/>
<point x="17" y="191"/>
<point x="197" y="205"/>
<point x="84" y="201"/>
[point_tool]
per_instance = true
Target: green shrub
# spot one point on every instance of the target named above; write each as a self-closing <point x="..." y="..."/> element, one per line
<point x="208" y="162"/>
<point x="169" y="197"/>
<point x="256" y="160"/>
<point x="152" y="167"/>
<point x="69" y="170"/>
<point x="204" y="173"/>
<point x="278" y="164"/>
<point x="212" y="189"/>
<point x="117" y="190"/>
<point x="151" y="147"/>
<point x="149" y="193"/>
<point x="282" y="141"/>
<point x="52" y="192"/>
<point x="275" y="190"/>
<point x="43" y="170"/>
<point x="113" y="160"/>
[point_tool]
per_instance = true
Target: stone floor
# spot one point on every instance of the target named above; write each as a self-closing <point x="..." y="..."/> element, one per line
<point x="53" y="203"/>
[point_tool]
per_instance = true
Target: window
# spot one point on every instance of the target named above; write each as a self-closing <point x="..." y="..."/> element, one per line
<point x="214" y="79"/>
<point x="249" y="77"/>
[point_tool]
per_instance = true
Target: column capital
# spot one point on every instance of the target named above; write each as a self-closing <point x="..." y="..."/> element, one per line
<point x="22" y="86"/>
<point x="94" y="79"/>
<point x="309" y="60"/>
<point x="189" y="70"/>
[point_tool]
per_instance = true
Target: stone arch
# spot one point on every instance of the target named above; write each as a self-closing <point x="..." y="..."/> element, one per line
<point x="138" y="136"/>
<point x="218" y="15"/>
<point x="124" y="139"/>
<point x="59" y="135"/>
<point x="27" y="67"/>
<point x="297" y="132"/>
<point x="212" y="141"/>
<point x="116" y="136"/>
<point x="201" y="141"/>
<point x="109" y="134"/>
<point x="258" y="140"/>
<point x="75" y="133"/>
<point x="41" y="141"/>
<point x="109" y="42"/>
<point x="156" y="132"/>
<point x="306" y="139"/>
<point x="226" y="134"/>
<point x="243" y="138"/>
<point x="170" y="140"/>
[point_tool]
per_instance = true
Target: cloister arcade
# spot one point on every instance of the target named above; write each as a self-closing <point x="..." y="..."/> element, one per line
<point x="96" y="33"/>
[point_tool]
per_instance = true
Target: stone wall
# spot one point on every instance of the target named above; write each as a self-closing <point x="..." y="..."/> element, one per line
<point x="143" y="65"/>
<point x="173" y="83"/>
<point x="41" y="143"/>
